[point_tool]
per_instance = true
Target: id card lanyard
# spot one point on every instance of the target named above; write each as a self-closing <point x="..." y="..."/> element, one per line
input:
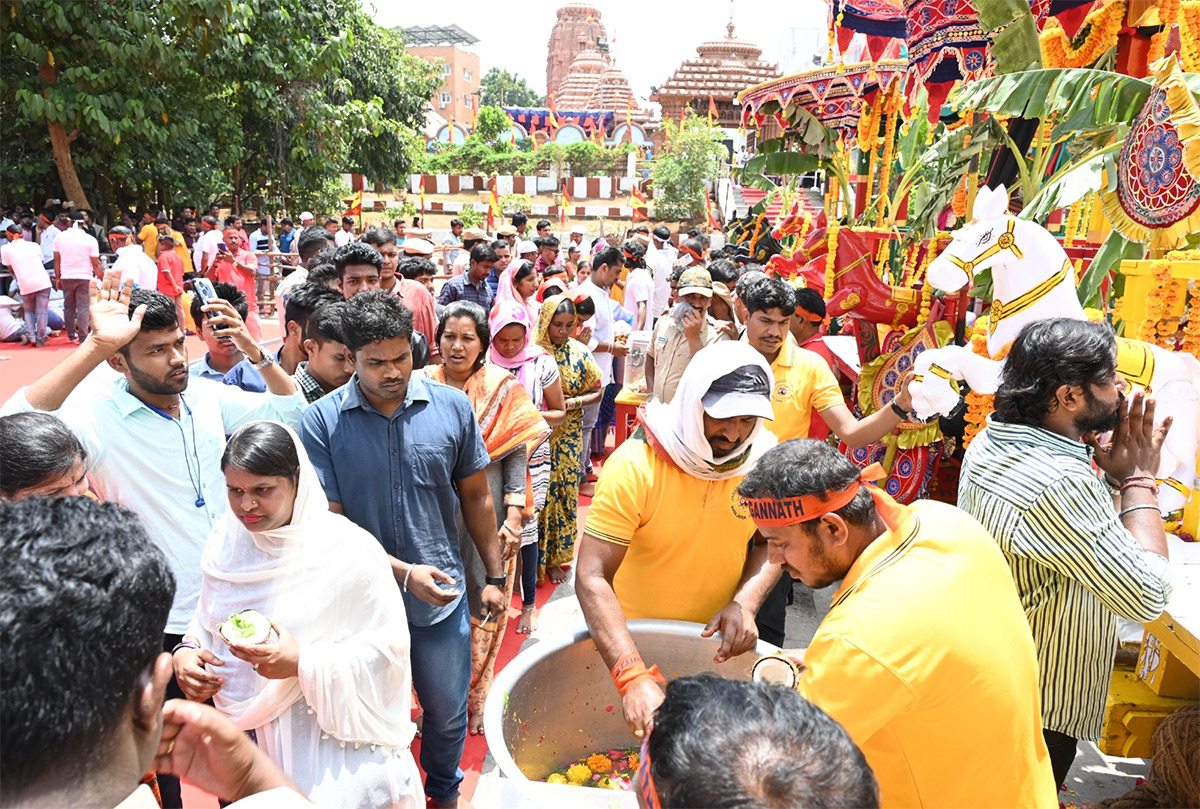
<point x="195" y="452"/>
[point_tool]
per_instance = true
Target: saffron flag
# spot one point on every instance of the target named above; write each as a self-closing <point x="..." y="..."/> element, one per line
<point x="512" y="130"/>
<point x="713" y="222"/>
<point x="355" y="205"/>
<point x="712" y="108"/>
<point x="638" y="203"/>
<point x="552" y="118"/>
<point x="629" y="118"/>
<point x="564" y="207"/>
<point x="493" y="205"/>
<point x="422" y="187"/>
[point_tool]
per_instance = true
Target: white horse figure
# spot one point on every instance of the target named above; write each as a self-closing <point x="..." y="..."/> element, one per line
<point x="1032" y="279"/>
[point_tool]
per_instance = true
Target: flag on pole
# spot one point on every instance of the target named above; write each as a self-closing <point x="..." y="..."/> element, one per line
<point x="474" y="116"/>
<point x="629" y="118"/>
<point x="638" y="203"/>
<point x="552" y="118"/>
<point x="564" y="207"/>
<point x="713" y="222"/>
<point x="422" y="187"/>
<point x="355" y="205"/>
<point x="712" y="109"/>
<point x="493" y="205"/>
<point x="512" y="130"/>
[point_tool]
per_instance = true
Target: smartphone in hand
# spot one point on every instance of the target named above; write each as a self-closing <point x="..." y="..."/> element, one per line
<point x="208" y="293"/>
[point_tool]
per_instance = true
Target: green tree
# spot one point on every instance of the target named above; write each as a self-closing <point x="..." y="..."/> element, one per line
<point x="682" y="172"/>
<point x="491" y="123"/>
<point x="173" y="101"/>
<point x="504" y="89"/>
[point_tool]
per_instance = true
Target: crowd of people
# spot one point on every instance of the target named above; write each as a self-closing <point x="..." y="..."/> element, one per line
<point x="412" y="455"/>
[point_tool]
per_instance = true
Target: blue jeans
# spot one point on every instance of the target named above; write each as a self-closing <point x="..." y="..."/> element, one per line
<point x="441" y="672"/>
<point x="37" y="310"/>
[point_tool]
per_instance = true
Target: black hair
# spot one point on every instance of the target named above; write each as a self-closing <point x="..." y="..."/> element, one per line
<point x="263" y="448"/>
<point x="323" y="273"/>
<point x="524" y="270"/>
<point x="634" y="253"/>
<point x="542" y="223"/>
<point x="209" y="220"/>
<point x="231" y="219"/>
<point x="226" y="292"/>
<point x="84" y="597"/>
<point x="456" y="222"/>
<point x="330" y="220"/>
<point x="695" y="245"/>
<point x="1046" y="355"/>
<point x="312" y="240"/>
<point x="566" y="307"/>
<point x="483" y="329"/>
<point x="306" y="299"/>
<point x="585" y="307"/>
<point x="327" y="324"/>
<point x="287" y="220"/>
<point x="545" y="241"/>
<point x="160" y="312"/>
<point x="414" y="267"/>
<point x="326" y="254"/>
<point x="374" y="316"/>
<point x="34" y="448"/>
<point x="810" y="299"/>
<point x="120" y="230"/>
<point x="378" y="237"/>
<point x="166" y="237"/>
<point x="500" y="244"/>
<point x="759" y="746"/>
<point x="483" y="252"/>
<point x="662" y="232"/>
<point x="356" y="253"/>
<point x="519" y="219"/>
<point x="807" y="467"/>
<point x="747" y="279"/>
<point x="770" y="293"/>
<point x="400" y="222"/>
<point x="347" y="220"/>
<point x="724" y="271"/>
<point x="611" y="256"/>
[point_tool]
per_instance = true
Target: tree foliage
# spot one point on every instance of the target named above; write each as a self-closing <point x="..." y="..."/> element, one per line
<point x="492" y="123"/>
<point x="681" y="173"/>
<point x="182" y="101"/>
<point x="504" y="89"/>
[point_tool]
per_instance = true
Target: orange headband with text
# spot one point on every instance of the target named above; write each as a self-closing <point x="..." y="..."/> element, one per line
<point x="768" y="512"/>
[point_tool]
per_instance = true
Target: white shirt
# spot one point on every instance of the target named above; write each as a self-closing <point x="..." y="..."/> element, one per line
<point x="263" y="243"/>
<point x="206" y="245"/>
<point x="277" y="798"/>
<point x="639" y="288"/>
<point x="141" y="460"/>
<point x="25" y="260"/>
<point x="284" y="291"/>
<point x="461" y="262"/>
<point x="661" y="262"/>
<point x="48" y="237"/>
<point x="601" y="324"/>
<point x="132" y="262"/>
<point x="342" y="237"/>
<point x="10" y="324"/>
<point x="76" y="248"/>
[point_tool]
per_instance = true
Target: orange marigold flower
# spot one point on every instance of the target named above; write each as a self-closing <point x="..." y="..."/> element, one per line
<point x="598" y="763"/>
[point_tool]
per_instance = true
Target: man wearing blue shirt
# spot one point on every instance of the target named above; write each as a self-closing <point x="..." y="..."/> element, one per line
<point x="472" y="285"/>
<point x="391" y="450"/>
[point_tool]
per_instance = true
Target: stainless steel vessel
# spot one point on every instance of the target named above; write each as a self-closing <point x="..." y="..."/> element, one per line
<point x="556" y="701"/>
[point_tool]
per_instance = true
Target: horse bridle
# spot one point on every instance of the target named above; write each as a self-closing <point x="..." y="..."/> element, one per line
<point x="1006" y="241"/>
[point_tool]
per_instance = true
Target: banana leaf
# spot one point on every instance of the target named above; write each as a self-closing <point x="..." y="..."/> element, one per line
<point x="1014" y="35"/>
<point x="782" y="163"/>
<point x="1072" y="183"/>
<point x="1116" y="248"/>
<point x="1080" y="98"/>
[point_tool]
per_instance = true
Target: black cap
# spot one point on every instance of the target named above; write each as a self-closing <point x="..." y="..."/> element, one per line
<point x="744" y="391"/>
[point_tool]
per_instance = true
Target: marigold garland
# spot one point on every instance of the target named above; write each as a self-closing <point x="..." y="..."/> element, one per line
<point x="1104" y="24"/>
<point x="1191" y="332"/>
<point x="1071" y="229"/>
<point x="1186" y="15"/>
<point x="891" y="116"/>
<point x="1156" y="301"/>
<point x="831" y="260"/>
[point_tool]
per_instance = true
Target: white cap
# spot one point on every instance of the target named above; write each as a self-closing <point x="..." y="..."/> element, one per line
<point x="306" y="215"/>
<point x="526" y="247"/>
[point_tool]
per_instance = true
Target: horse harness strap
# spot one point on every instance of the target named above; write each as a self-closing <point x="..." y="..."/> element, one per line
<point x="1002" y="310"/>
<point x="1006" y="241"/>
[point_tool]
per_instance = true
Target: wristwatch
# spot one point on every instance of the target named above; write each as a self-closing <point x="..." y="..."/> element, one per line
<point x="498" y="581"/>
<point x="899" y="411"/>
<point x="267" y="358"/>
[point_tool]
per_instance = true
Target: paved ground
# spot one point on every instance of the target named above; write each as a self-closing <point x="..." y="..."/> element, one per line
<point x="1093" y="777"/>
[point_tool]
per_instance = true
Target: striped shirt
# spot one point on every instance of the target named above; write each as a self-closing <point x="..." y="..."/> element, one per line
<point x="460" y="288"/>
<point x="1075" y="565"/>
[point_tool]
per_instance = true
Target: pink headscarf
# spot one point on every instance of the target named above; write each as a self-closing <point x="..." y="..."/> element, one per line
<point x="505" y="313"/>
<point x="507" y="292"/>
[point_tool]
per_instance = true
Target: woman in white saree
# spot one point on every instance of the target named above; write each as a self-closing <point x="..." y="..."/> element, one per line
<point x="328" y="694"/>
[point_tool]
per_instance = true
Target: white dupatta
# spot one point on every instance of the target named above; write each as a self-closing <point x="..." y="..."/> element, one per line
<point x="678" y="426"/>
<point x="329" y="583"/>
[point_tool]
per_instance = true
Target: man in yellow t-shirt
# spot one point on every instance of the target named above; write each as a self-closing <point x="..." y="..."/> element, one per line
<point x="925" y="657"/>
<point x="666" y="535"/>
<point x="147" y="236"/>
<point x="804" y="384"/>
